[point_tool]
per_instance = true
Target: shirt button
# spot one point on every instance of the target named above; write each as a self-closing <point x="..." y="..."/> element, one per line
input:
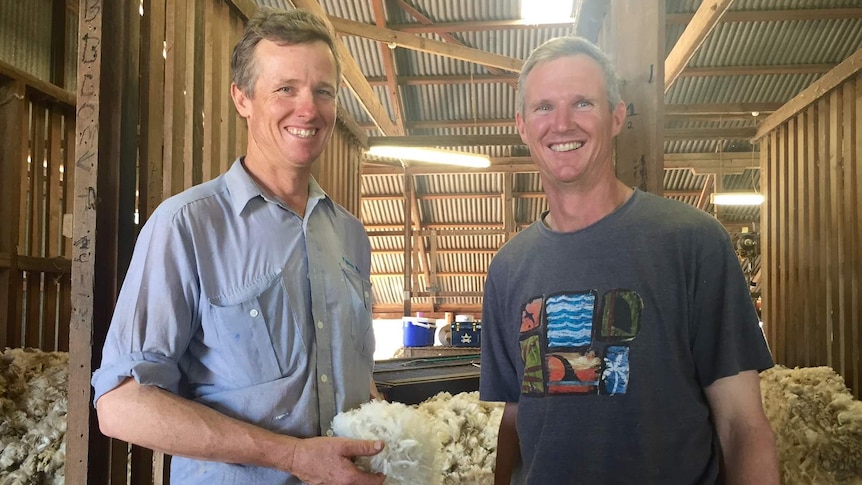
<point x="319" y="324"/>
<point x="323" y="378"/>
<point x="253" y="313"/>
<point x="329" y="433"/>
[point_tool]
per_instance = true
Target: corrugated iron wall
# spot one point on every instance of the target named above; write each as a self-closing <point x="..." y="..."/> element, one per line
<point x="811" y="173"/>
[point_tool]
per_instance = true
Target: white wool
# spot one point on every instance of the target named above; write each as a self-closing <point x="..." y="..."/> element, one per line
<point x="411" y="454"/>
<point x="33" y="405"/>
<point x="468" y="430"/>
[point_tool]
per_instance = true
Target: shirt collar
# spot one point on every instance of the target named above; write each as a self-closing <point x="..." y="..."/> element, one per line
<point x="243" y="189"/>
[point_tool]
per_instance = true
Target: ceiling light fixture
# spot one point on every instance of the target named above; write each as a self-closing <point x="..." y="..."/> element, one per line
<point x="737" y="198"/>
<point x="546" y="10"/>
<point x="431" y="155"/>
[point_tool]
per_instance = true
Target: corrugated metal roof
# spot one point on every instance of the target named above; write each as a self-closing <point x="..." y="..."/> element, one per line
<point x="731" y="44"/>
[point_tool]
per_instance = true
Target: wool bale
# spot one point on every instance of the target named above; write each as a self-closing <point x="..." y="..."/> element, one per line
<point x="33" y="406"/>
<point x="817" y="424"/>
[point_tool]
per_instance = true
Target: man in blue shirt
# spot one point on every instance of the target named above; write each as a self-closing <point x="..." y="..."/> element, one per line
<point x="244" y="322"/>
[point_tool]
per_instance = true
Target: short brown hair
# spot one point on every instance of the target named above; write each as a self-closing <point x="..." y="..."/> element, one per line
<point x="281" y="26"/>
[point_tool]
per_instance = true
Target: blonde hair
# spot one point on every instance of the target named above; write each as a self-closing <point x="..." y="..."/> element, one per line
<point x="565" y="47"/>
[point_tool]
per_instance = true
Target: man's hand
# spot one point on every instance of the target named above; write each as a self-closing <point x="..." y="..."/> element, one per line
<point x="329" y="461"/>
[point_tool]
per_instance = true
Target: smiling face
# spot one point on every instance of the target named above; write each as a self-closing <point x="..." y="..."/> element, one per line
<point x="291" y="113"/>
<point x="566" y="121"/>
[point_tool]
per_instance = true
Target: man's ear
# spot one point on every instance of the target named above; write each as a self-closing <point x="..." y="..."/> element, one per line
<point x="519" y="122"/>
<point x="619" y="117"/>
<point x="240" y="100"/>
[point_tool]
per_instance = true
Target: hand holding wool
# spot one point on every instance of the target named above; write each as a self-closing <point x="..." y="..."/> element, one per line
<point x="411" y="454"/>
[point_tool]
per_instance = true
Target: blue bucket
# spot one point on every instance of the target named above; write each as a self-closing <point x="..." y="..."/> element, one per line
<point x="418" y="331"/>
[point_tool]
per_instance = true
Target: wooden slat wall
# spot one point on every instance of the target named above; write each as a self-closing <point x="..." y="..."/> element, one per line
<point x="812" y="241"/>
<point x="34" y="257"/>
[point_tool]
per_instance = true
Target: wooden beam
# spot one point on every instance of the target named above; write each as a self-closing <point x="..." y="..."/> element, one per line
<point x="775" y="15"/>
<point x="353" y="77"/>
<point x="719" y="109"/>
<point x="352" y="126"/>
<point x="510" y="122"/>
<point x="503" y="78"/>
<point x="14" y="110"/>
<point x="700" y="26"/>
<point x="246" y="8"/>
<point x="634" y="38"/>
<point x="445" y="140"/>
<point x="812" y="93"/>
<point x="54" y="265"/>
<point x="413" y="12"/>
<point x="87" y="451"/>
<point x="481" y="26"/>
<point x="701" y="163"/>
<point x="515" y="140"/>
<point x="436" y="124"/>
<point x="410" y="41"/>
<point x="388" y="57"/>
<point x="407" y="234"/>
<point x="707" y="133"/>
<point x="41" y="88"/>
<point x="389" y="311"/>
<point x="778" y="70"/>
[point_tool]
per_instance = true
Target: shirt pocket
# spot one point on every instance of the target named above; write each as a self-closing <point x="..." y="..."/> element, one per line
<point x="243" y="320"/>
<point x="359" y="292"/>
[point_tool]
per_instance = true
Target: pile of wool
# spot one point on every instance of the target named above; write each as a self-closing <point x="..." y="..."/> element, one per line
<point x="444" y="440"/>
<point x="412" y="452"/>
<point x="467" y="429"/>
<point x="817" y="424"/>
<point x="33" y="405"/>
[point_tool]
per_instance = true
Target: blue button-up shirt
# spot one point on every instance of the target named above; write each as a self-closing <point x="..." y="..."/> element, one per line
<point x="236" y="302"/>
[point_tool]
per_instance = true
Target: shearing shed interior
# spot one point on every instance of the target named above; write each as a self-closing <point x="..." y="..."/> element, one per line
<point x="109" y="107"/>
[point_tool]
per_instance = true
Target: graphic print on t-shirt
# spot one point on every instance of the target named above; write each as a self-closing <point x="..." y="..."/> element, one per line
<point x="572" y="343"/>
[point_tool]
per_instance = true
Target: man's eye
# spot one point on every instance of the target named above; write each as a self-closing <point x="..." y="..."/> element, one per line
<point x="285" y="89"/>
<point x="584" y="104"/>
<point x="327" y="93"/>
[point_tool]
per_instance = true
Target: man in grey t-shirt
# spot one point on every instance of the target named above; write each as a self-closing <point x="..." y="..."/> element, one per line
<point x="618" y="329"/>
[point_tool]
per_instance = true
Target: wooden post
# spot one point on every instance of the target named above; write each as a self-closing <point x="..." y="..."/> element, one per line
<point x="13" y="154"/>
<point x="408" y="238"/>
<point x="634" y="40"/>
<point x="106" y="122"/>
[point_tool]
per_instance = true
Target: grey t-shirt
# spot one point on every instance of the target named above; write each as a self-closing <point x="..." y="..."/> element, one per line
<point x="606" y="338"/>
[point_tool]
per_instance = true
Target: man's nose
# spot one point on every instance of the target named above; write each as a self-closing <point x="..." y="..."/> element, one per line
<point x="563" y="119"/>
<point x="306" y="104"/>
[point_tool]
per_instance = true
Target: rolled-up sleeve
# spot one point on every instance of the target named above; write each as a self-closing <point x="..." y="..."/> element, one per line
<point x="157" y="309"/>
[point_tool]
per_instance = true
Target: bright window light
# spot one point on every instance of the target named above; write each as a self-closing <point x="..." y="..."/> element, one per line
<point x="541" y="11"/>
<point x="431" y="155"/>
<point x="737" y="198"/>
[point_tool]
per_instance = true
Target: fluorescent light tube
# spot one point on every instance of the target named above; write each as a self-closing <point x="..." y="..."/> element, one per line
<point x="431" y="155"/>
<point x="737" y="198"/>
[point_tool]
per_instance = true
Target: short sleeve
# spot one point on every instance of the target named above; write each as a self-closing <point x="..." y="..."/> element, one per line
<point x="499" y="377"/>
<point x="726" y="334"/>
